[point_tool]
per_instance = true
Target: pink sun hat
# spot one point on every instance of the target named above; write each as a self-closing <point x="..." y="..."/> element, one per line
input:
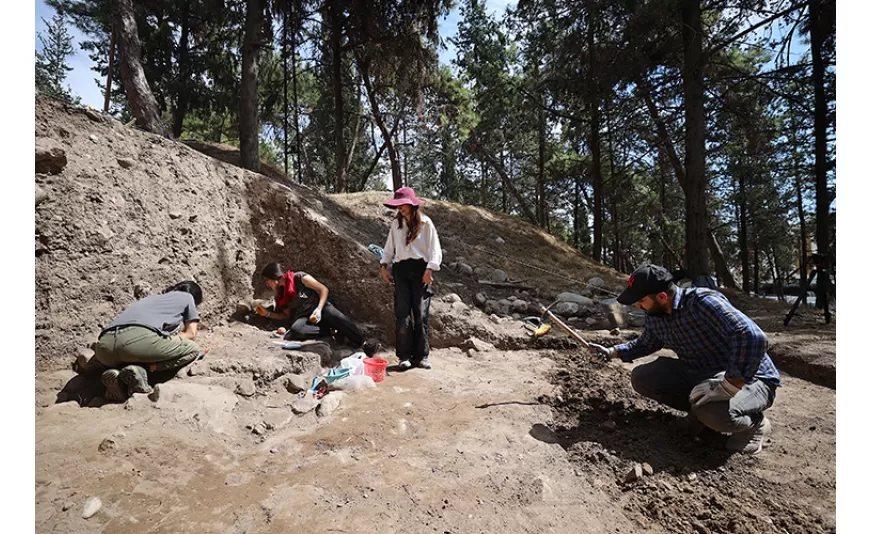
<point x="403" y="195"/>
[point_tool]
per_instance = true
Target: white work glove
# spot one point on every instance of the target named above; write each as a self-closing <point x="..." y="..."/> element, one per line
<point x="712" y="390"/>
<point x="605" y="353"/>
<point x="315" y="316"/>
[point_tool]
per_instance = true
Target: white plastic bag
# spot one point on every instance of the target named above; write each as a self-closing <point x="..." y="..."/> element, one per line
<point x="354" y="362"/>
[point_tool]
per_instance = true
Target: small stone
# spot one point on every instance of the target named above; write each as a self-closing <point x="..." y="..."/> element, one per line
<point x="304" y="405"/>
<point x="330" y="403"/>
<point x="609" y="425"/>
<point x="141" y="289"/>
<point x="66" y="506"/>
<point x="126" y="163"/>
<point x="647" y="469"/>
<point x="635" y="473"/>
<point x="479" y="299"/>
<point x="154" y="396"/>
<point x="452" y="297"/>
<point x="691" y="477"/>
<point x="614" y="332"/>
<point x="246" y="387"/>
<point x="50" y="156"/>
<point x="175" y="214"/>
<point x="498" y="276"/>
<point x="91" y="507"/>
<point x="296" y="383"/>
<point x="259" y="429"/>
<point x="493" y="318"/>
<point x="41" y="195"/>
<point x="499" y="240"/>
<point x="107" y="445"/>
<point x="466" y="269"/>
<point x="94" y="138"/>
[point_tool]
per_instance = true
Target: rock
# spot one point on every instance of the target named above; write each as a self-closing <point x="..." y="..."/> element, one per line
<point x="567" y="296"/>
<point x="635" y="473"/>
<point x="276" y="419"/>
<point x="490" y="307"/>
<point x="243" y="307"/>
<point x="296" y="383"/>
<point x="41" y="195"/>
<point x="516" y="316"/>
<point x="175" y="214"/>
<point x="50" y="156"/>
<point x="573" y="320"/>
<point x="459" y="307"/>
<point x="498" y="276"/>
<point x="512" y="298"/>
<point x="608" y="425"/>
<point x="477" y="344"/>
<point x="452" y="297"/>
<point x="595" y="284"/>
<point x="691" y="477"/>
<point x="94" y="116"/>
<point x="330" y="403"/>
<point x="459" y="259"/>
<point x="614" y="332"/>
<point x="94" y="138"/>
<point x="353" y="383"/>
<point x="499" y="240"/>
<point x="566" y="309"/>
<point x="647" y="469"/>
<point x="493" y="318"/>
<point x="304" y="405"/>
<point x="91" y="507"/>
<point x="504" y="307"/>
<point x="259" y="429"/>
<point x="586" y="293"/>
<point x="246" y="387"/>
<point x="67" y="505"/>
<point x="141" y="289"/>
<point x="126" y="163"/>
<point x="481" y="272"/>
<point x="466" y="269"/>
<point x="107" y="445"/>
<point x="479" y="299"/>
<point x="519" y="306"/>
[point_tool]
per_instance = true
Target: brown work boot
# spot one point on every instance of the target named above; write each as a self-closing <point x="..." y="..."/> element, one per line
<point x="749" y="441"/>
<point x="116" y="391"/>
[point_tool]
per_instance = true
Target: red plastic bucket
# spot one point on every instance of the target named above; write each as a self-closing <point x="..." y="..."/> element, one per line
<point x="375" y="368"/>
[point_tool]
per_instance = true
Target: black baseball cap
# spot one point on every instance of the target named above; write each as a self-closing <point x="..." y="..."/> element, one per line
<point x="645" y="281"/>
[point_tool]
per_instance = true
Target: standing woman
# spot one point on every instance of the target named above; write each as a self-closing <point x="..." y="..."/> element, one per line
<point x="414" y="247"/>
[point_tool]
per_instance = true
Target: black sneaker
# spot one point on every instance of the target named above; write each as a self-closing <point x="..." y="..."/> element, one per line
<point x="371" y="347"/>
<point x="116" y="391"/>
<point x="136" y="379"/>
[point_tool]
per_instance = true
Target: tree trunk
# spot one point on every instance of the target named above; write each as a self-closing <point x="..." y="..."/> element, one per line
<point x="695" y="186"/>
<point x="109" y="71"/>
<point x="803" y="226"/>
<point x="595" y="144"/>
<point x="143" y="105"/>
<point x="542" y="138"/>
<point x="506" y="180"/>
<point x="335" y="43"/>
<point x="742" y="238"/>
<point x="249" y="135"/>
<point x="183" y="83"/>
<point x="364" y="66"/>
<point x="820" y="116"/>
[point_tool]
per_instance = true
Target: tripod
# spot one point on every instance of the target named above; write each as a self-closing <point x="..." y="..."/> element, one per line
<point x="822" y="284"/>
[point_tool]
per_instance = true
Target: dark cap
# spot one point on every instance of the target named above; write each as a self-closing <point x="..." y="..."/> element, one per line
<point x="644" y="281"/>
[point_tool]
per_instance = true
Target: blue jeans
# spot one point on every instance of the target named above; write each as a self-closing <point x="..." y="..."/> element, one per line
<point x="412" y="300"/>
<point x="669" y="381"/>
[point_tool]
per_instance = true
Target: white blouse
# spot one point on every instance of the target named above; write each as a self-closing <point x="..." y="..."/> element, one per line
<point x="425" y="246"/>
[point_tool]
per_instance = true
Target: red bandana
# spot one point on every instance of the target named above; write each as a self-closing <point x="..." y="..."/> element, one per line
<point x="282" y="297"/>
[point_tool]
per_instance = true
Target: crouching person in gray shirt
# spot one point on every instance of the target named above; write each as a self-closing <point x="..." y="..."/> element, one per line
<point x="152" y="335"/>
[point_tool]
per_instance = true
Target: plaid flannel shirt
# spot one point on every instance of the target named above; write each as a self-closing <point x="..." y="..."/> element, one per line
<point x="710" y="334"/>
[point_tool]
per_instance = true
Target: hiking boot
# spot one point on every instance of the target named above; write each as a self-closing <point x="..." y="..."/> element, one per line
<point x="371" y="347"/>
<point x="116" y="391"/>
<point x="404" y="365"/>
<point x="136" y="379"/>
<point x="749" y="441"/>
<point x="424" y="364"/>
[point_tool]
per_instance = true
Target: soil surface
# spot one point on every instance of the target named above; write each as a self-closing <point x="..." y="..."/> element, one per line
<point x="503" y="434"/>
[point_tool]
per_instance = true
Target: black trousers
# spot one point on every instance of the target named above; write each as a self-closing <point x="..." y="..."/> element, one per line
<point x="412" y="298"/>
<point x="330" y="318"/>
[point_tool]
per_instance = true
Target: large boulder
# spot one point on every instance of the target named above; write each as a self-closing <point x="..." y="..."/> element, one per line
<point x="50" y="156"/>
<point x="566" y="309"/>
<point x="499" y="276"/>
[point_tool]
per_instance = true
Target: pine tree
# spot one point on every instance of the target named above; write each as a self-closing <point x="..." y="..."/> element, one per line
<point x="51" y="64"/>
